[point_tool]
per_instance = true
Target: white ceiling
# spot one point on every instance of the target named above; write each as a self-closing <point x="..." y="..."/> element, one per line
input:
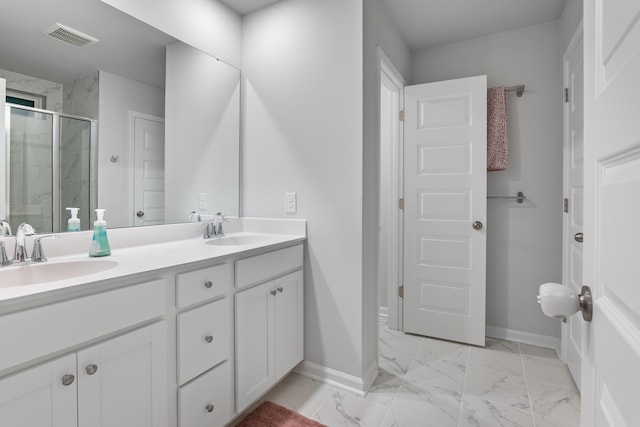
<point x="247" y="6"/>
<point x="428" y="23"/>
<point x="132" y="49"/>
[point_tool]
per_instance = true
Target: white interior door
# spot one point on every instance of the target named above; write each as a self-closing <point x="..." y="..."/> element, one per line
<point x="445" y="192"/>
<point x="611" y="349"/>
<point x="149" y="171"/>
<point x="574" y="197"/>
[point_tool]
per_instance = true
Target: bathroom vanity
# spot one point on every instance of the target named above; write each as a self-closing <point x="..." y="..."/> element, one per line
<point x="165" y="332"/>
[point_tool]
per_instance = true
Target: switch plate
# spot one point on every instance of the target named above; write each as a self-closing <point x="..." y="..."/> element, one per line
<point x="290" y="203"/>
<point x="203" y="201"/>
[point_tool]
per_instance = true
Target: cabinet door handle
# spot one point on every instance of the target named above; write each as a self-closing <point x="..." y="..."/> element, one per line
<point x="91" y="369"/>
<point x="273" y="292"/>
<point x="280" y="289"/>
<point x="208" y="339"/>
<point x="208" y="284"/>
<point x="68" y="379"/>
<point x="209" y="407"/>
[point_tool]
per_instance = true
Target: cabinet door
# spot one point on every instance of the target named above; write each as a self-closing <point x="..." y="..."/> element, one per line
<point x="207" y="401"/>
<point x="123" y="382"/>
<point x="289" y="322"/>
<point x="38" y="397"/>
<point x="254" y="343"/>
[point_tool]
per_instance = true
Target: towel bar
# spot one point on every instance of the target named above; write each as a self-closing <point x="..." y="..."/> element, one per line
<point x="520" y="197"/>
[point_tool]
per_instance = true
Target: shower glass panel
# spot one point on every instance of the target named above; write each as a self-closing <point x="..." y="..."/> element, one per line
<point x="49" y="168"/>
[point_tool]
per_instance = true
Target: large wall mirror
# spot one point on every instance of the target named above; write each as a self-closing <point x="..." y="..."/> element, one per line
<point x="137" y="122"/>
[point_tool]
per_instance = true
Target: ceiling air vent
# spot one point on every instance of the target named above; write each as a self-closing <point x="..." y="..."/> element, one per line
<point x="69" y="36"/>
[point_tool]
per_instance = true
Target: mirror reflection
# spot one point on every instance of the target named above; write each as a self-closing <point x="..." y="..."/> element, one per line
<point x="136" y="122"/>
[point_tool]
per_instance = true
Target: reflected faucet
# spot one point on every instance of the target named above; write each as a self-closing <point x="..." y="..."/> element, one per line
<point x="22" y="232"/>
<point x="5" y="228"/>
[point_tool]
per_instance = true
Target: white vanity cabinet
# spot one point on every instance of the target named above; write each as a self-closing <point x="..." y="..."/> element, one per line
<point x="269" y="322"/>
<point x="118" y="382"/>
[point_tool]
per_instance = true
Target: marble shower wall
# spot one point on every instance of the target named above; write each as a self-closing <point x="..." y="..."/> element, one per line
<point x="80" y="99"/>
<point x="51" y="90"/>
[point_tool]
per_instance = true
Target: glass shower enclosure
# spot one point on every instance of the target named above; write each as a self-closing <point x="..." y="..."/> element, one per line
<point x="49" y="167"/>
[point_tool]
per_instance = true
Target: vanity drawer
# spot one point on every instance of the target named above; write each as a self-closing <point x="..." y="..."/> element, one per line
<point x="259" y="268"/>
<point x="203" y="284"/>
<point x="30" y="334"/>
<point x="204" y="338"/>
<point x="206" y="402"/>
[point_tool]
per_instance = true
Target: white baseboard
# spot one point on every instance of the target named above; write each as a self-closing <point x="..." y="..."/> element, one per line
<point x="349" y="382"/>
<point x="546" y="341"/>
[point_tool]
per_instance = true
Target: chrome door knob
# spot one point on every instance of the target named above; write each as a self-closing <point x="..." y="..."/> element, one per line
<point x="68" y="379"/>
<point x="280" y="289"/>
<point x="209" y="407"/>
<point x="208" y="339"/>
<point x="140" y="214"/>
<point x="273" y="292"/>
<point x="91" y="369"/>
<point x="477" y="225"/>
<point x="578" y="237"/>
<point x="208" y="284"/>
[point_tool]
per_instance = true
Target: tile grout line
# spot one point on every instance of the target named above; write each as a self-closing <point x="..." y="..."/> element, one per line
<point x="464" y="384"/>
<point x="526" y="383"/>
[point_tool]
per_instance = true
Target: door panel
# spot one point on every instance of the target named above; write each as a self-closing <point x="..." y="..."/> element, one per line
<point x="289" y="323"/>
<point x="574" y="192"/>
<point x="445" y="192"/>
<point x="611" y="346"/>
<point x="149" y="171"/>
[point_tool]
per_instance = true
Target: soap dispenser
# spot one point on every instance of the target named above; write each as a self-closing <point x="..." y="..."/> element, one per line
<point x="99" y="244"/>
<point x="73" y="224"/>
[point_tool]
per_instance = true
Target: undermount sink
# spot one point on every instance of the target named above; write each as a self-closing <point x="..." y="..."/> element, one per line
<point x="241" y="240"/>
<point x="31" y="274"/>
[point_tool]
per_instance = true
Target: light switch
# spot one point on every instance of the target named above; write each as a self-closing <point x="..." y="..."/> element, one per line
<point x="203" y="201"/>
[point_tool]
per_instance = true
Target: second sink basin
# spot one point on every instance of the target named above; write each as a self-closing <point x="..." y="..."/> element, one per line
<point x="31" y="274"/>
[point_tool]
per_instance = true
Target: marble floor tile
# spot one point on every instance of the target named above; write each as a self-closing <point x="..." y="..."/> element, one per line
<point x="496" y="386"/>
<point x="505" y="362"/>
<point x="446" y="370"/>
<point x="396" y="352"/>
<point x="300" y="394"/>
<point x="384" y="389"/>
<point x="346" y="409"/>
<point x="483" y="413"/>
<point x="532" y="350"/>
<point x="428" y="403"/>
<point x="555" y="401"/>
<point x="550" y="422"/>
<point x="502" y="345"/>
<point x="398" y="419"/>
<point x="546" y="370"/>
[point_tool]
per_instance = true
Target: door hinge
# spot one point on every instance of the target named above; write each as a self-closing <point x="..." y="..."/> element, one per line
<point x="566" y="94"/>
<point x="566" y="206"/>
<point x="401" y="291"/>
<point x="401" y="204"/>
<point x="402" y="115"/>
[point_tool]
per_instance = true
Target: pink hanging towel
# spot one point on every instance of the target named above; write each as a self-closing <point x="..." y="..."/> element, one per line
<point x="497" y="153"/>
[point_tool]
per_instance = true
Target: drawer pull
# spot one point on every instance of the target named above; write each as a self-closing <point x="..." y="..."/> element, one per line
<point x="280" y="289"/>
<point x="208" y="284"/>
<point x="210" y="407"/>
<point x="67" y="379"/>
<point x="91" y="369"/>
<point x="208" y="339"/>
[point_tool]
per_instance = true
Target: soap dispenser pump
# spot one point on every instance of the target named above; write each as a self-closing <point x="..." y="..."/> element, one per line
<point x="73" y="224"/>
<point x="99" y="244"/>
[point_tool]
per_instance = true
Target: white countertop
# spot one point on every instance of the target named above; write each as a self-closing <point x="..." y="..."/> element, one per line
<point x="134" y="257"/>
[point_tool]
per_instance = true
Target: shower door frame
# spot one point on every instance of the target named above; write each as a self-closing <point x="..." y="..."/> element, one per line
<point x="5" y="159"/>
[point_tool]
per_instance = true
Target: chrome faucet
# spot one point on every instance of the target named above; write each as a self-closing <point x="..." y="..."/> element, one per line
<point x="37" y="255"/>
<point x="218" y="219"/>
<point x="5" y="228"/>
<point x="20" y="255"/>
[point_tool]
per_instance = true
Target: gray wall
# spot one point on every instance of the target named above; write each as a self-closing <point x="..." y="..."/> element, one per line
<point x="302" y="69"/>
<point x="524" y="242"/>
